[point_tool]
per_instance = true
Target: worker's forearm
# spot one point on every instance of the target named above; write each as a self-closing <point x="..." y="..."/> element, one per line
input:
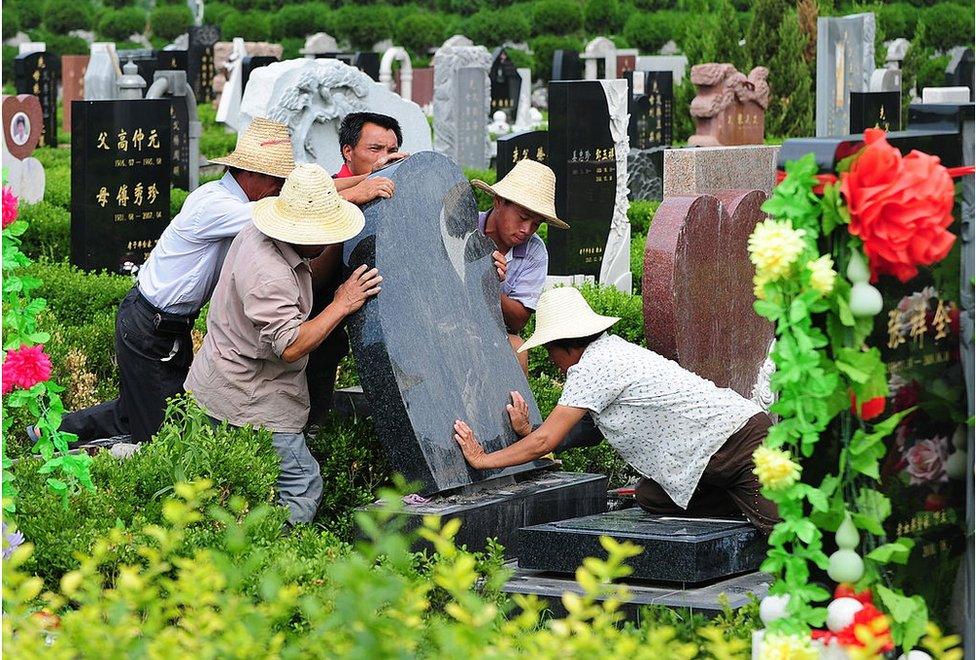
<point x="313" y="332"/>
<point x="325" y="266"/>
<point x="349" y="181"/>
<point x="516" y="314"/>
<point x="535" y="445"/>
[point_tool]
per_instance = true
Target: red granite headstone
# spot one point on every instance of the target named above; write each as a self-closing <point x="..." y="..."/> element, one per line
<point x="423" y="86"/>
<point x="22" y="117"/>
<point x="73" y="69"/>
<point x="730" y="107"/>
<point x="698" y="290"/>
<point x="625" y="63"/>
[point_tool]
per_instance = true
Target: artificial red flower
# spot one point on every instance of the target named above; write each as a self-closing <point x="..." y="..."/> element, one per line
<point x="25" y="367"/>
<point x="900" y="207"/>
<point x="869" y="409"/>
<point x="869" y="622"/>
<point x="907" y="396"/>
<point x="846" y="590"/>
<point x="934" y="502"/>
<point x="9" y="203"/>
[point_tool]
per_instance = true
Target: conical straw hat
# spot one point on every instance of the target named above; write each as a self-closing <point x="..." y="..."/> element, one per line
<point x="563" y="313"/>
<point x="531" y="185"/>
<point x="308" y="211"/>
<point x="264" y="147"/>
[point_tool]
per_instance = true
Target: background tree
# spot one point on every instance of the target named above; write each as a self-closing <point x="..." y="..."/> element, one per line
<point x="761" y="41"/>
<point x="791" y="105"/>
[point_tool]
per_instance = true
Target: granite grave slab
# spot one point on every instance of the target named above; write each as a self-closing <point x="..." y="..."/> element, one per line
<point x="706" y="169"/>
<point x="652" y="112"/>
<point x="845" y="62"/>
<point x="729" y="107"/>
<point x="428" y="355"/>
<point x="676" y="550"/>
<point x="566" y="65"/>
<point x="39" y="74"/>
<point x="506" y="84"/>
<point x="73" y="69"/>
<point x="22" y="119"/>
<point x="201" y="66"/>
<point x="461" y="104"/>
<point x="875" y="110"/>
<point x="532" y="145"/>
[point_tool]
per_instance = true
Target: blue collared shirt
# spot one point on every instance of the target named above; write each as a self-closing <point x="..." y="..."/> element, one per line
<point x="180" y="275"/>
<point x="528" y="264"/>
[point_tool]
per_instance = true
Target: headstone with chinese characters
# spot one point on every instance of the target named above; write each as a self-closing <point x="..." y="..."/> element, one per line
<point x="312" y="96"/>
<point x="461" y="103"/>
<point x="652" y="115"/>
<point x="506" y="85"/>
<point x="531" y="145"/>
<point x="200" y="61"/>
<point x="172" y="60"/>
<point x="22" y="119"/>
<point x="588" y="146"/>
<point x="38" y="74"/>
<point x="121" y="174"/>
<point x="72" y="85"/>
<point x="845" y="62"/>
<point x="875" y="110"/>
<point x="179" y="116"/>
<point x="729" y="108"/>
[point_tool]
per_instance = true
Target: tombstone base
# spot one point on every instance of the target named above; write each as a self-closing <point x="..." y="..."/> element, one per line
<point x="646" y="168"/>
<point x="676" y="550"/>
<point x="499" y="511"/>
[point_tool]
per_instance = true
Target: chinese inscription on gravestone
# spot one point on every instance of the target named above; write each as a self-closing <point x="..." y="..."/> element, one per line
<point x="38" y="74"/>
<point x="505" y="85"/>
<point x="652" y="116"/>
<point x="171" y="60"/>
<point x="120" y="182"/>
<point x="469" y="94"/>
<point x="200" y="61"/>
<point x="531" y="145"/>
<point x="875" y="110"/>
<point x="845" y="62"/>
<point x="179" y="116"/>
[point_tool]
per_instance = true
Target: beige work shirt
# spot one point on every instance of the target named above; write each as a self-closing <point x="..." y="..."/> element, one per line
<point x="264" y="294"/>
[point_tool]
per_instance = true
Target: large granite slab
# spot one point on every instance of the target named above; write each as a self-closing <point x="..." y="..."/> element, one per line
<point x="703" y="170"/>
<point x="676" y="550"/>
<point x="845" y="62"/>
<point x="939" y="141"/>
<point x="432" y="347"/>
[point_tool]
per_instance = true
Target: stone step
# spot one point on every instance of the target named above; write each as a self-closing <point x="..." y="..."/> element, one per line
<point x="706" y="600"/>
<point x="676" y="550"/>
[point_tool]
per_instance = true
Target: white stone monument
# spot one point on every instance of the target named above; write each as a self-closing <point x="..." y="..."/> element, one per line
<point x="397" y="54"/>
<point x="230" y="97"/>
<point x="523" y="114"/>
<point x="462" y="101"/>
<point x="597" y="49"/>
<point x="319" y="44"/>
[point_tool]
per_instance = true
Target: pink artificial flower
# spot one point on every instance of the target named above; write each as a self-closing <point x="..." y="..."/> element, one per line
<point x="926" y="460"/>
<point x="25" y="367"/>
<point x="9" y="207"/>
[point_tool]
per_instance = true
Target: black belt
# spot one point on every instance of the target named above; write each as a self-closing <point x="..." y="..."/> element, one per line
<point x="165" y="321"/>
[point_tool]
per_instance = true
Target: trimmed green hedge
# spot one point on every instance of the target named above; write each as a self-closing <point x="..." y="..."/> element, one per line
<point x="169" y="22"/>
<point x="120" y="24"/>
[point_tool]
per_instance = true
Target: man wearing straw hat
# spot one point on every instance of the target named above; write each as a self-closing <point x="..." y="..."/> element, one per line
<point x="152" y="328"/>
<point x="251" y="368"/>
<point x="521" y="202"/>
<point x="691" y="441"/>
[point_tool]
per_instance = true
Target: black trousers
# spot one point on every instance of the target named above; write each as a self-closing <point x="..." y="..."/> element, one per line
<point x="152" y="368"/>
<point x="323" y="362"/>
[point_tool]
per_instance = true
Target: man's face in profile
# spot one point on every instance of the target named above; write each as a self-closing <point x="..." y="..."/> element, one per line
<point x="374" y="143"/>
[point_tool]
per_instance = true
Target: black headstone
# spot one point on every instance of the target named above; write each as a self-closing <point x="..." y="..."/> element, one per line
<point x="39" y="74"/>
<point x="146" y="61"/>
<point x="829" y="151"/>
<point x="120" y="181"/>
<point x="506" y="84"/>
<point x="252" y="62"/>
<point x="180" y="138"/>
<point x="939" y="116"/>
<point x="652" y="112"/>
<point x="531" y="145"/>
<point x="582" y="153"/>
<point x="426" y="345"/>
<point x="959" y="72"/>
<point x="685" y="550"/>
<point x="875" y="110"/>
<point x="200" y="61"/>
<point x="566" y="65"/>
<point x="367" y="62"/>
<point x="171" y="60"/>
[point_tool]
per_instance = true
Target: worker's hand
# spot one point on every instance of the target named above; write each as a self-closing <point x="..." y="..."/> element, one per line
<point x="501" y="266"/>
<point x="389" y="158"/>
<point x="518" y="414"/>
<point x="473" y="452"/>
<point x="369" y="189"/>
<point x="355" y="291"/>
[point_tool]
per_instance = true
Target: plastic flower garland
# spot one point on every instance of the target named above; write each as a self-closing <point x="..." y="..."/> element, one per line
<point x="895" y="210"/>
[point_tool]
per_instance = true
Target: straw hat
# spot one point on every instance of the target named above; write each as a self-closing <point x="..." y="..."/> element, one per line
<point x="531" y="185"/>
<point x="308" y="211"/>
<point x="563" y="313"/>
<point x="264" y="147"/>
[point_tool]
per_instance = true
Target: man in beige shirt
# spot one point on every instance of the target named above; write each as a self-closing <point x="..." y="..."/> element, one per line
<point x="251" y="367"/>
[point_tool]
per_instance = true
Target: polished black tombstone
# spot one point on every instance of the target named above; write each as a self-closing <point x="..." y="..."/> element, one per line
<point x="530" y="145"/>
<point x="432" y="347"/>
<point x="145" y="59"/>
<point x="179" y="116"/>
<point x="252" y="62"/>
<point x="652" y="117"/>
<point x="367" y="62"/>
<point x="120" y="181"/>
<point x="828" y="151"/>
<point x="506" y="84"/>
<point x="200" y="61"/>
<point x="959" y="71"/>
<point x="566" y="65"/>
<point x="676" y="550"/>
<point x="875" y="110"/>
<point x="582" y="153"/>
<point x="171" y="60"/>
<point x="39" y="74"/>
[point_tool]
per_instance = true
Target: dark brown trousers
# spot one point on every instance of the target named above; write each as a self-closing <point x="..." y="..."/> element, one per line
<point x="727" y="486"/>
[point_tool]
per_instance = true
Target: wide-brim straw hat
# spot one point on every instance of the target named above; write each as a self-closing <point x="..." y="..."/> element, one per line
<point x="563" y="313"/>
<point x="531" y="185"/>
<point x="264" y="147"/>
<point x="309" y="210"/>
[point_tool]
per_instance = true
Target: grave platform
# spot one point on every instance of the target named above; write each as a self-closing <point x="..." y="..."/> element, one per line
<point x="499" y="510"/>
<point x="705" y="599"/>
<point x="677" y="551"/>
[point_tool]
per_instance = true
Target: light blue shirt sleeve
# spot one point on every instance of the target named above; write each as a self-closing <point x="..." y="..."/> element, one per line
<point x="525" y="282"/>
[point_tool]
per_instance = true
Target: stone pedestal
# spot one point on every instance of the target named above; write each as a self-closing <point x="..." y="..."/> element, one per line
<point x="676" y="550"/>
<point x="707" y="169"/>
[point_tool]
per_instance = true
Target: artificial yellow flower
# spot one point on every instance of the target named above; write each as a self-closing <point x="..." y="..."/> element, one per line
<point x="788" y="647"/>
<point x="758" y="282"/>
<point x="775" y="468"/>
<point x="774" y="247"/>
<point x="822" y="274"/>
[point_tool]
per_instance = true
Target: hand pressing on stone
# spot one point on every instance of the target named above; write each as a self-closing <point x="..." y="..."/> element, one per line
<point x="388" y="159"/>
<point x="473" y="452"/>
<point x="518" y="413"/>
<point x="361" y="285"/>
<point x="501" y="266"/>
<point x="369" y="189"/>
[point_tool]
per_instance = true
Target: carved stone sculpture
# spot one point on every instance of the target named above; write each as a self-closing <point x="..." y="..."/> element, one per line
<point x="729" y="108"/>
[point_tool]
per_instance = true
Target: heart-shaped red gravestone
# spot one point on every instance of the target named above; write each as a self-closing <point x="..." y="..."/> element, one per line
<point x="698" y="290"/>
<point x="22" y="119"/>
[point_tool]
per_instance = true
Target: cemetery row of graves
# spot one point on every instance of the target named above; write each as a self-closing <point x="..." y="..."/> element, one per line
<point x="869" y="384"/>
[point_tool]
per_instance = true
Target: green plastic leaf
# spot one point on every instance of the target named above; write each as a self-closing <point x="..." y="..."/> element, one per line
<point x="895" y="553"/>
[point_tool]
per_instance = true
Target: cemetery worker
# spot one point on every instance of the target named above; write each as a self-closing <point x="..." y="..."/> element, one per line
<point x="368" y="141"/>
<point x="251" y="367"/>
<point x="521" y="202"/>
<point x="691" y="441"/>
<point x="152" y="329"/>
